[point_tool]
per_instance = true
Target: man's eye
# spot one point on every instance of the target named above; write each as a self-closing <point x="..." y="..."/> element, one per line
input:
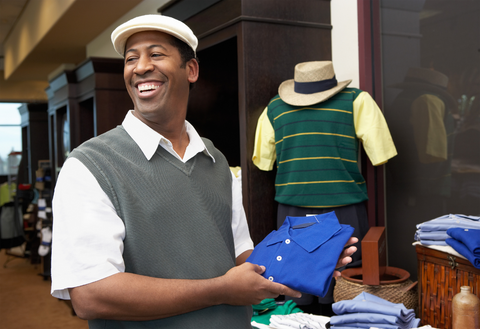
<point x="129" y="59"/>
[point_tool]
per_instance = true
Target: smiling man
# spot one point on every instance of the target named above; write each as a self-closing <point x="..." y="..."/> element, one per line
<point x="149" y="228"/>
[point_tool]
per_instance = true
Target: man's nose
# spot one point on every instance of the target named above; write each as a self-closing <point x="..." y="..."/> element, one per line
<point x="144" y="65"/>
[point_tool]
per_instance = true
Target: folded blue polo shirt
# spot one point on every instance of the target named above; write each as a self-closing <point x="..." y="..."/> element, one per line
<point x="304" y="252"/>
<point x="469" y="237"/>
<point x="466" y="242"/>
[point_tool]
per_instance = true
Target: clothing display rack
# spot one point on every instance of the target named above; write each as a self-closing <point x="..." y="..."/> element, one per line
<point x="44" y="214"/>
<point x="12" y="237"/>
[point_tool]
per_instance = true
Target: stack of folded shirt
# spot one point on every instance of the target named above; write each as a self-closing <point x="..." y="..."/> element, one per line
<point x="263" y="312"/>
<point x="434" y="232"/>
<point x="299" y="321"/>
<point x="367" y="310"/>
<point x="466" y="241"/>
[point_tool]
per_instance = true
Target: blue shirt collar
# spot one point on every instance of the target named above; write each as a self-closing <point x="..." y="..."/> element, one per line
<point x="310" y="237"/>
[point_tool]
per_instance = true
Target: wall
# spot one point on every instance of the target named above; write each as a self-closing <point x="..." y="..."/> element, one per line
<point x="101" y="46"/>
<point x="345" y="40"/>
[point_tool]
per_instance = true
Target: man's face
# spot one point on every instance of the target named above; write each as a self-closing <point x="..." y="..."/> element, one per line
<point x="154" y="77"/>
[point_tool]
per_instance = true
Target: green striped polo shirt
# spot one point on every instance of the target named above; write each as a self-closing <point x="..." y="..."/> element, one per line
<point x="317" y="151"/>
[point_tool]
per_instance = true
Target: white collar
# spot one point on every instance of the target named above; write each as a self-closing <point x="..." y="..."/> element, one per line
<point x="148" y="139"/>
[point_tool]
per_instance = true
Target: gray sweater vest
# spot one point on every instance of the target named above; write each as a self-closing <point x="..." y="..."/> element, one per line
<point x="177" y="219"/>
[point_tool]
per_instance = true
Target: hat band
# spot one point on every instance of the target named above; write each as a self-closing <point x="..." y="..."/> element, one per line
<point x="314" y="86"/>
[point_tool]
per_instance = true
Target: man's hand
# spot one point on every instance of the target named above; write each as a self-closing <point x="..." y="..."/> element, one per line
<point x="345" y="258"/>
<point x="244" y="285"/>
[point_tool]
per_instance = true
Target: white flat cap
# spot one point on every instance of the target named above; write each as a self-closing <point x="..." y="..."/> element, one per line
<point x="160" y="23"/>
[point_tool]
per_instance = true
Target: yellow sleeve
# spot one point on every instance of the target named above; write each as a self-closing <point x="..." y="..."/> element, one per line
<point x="427" y="113"/>
<point x="371" y="128"/>
<point x="264" y="155"/>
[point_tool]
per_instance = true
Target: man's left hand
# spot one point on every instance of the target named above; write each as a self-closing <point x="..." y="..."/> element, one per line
<point x="345" y="255"/>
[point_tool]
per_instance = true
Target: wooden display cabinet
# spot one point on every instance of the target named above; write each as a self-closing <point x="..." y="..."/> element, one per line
<point x="34" y="123"/>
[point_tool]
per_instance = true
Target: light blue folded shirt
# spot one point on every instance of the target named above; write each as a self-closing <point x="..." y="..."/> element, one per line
<point x="355" y="306"/>
<point x="366" y="318"/>
<point x="367" y="310"/>
<point x="445" y="222"/>
<point x="372" y="298"/>
<point x="431" y="238"/>
<point x="365" y="325"/>
<point x="436" y="235"/>
<point x="433" y="242"/>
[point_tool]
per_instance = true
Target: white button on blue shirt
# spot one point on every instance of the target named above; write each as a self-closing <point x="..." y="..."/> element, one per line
<point x="304" y="252"/>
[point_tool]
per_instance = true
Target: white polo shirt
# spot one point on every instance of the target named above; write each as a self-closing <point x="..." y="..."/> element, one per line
<point x="87" y="241"/>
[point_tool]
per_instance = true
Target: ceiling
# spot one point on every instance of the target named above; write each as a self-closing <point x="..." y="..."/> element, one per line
<point x="10" y="10"/>
<point x="37" y="37"/>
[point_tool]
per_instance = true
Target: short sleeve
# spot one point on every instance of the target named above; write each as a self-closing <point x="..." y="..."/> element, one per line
<point x="87" y="240"/>
<point x="241" y="233"/>
<point x="264" y="155"/>
<point x="372" y="129"/>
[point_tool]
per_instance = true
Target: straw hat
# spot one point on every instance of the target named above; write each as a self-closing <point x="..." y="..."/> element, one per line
<point x="313" y="82"/>
<point x="427" y="80"/>
<point x="160" y="23"/>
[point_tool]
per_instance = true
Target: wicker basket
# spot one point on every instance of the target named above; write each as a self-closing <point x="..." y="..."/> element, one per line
<point x="395" y="293"/>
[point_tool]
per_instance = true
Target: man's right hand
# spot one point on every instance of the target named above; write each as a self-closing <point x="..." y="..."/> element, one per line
<point x="244" y="285"/>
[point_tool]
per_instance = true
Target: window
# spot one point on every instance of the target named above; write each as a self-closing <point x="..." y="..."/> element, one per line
<point x="431" y="84"/>
<point x="10" y="137"/>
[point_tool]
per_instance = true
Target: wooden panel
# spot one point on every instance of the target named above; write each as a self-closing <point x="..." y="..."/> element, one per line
<point x="300" y="11"/>
<point x="111" y="106"/>
<point x="213" y="103"/>
<point x="440" y="276"/>
<point x="370" y="81"/>
<point x="374" y="255"/>
<point x="86" y="120"/>
<point x="227" y="12"/>
<point x="214" y="17"/>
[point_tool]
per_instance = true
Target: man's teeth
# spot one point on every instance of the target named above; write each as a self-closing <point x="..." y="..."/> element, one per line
<point x="147" y="87"/>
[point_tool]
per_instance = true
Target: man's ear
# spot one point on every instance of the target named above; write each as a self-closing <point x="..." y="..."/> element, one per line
<point x="192" y="70"/>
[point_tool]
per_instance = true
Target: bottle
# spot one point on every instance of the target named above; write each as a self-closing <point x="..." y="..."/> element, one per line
<point x="465" y="310"/>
